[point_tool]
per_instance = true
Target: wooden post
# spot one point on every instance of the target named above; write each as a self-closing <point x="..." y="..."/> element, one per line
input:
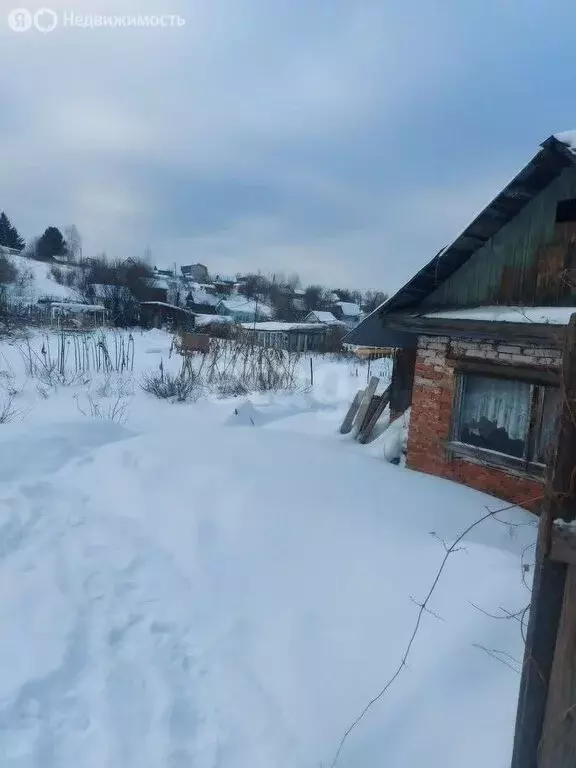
<point x="545" y="735"/>
<point x="311" y="372"/>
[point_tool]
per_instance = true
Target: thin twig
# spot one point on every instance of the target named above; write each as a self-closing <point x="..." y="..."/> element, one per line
<point x="421" y="612"/>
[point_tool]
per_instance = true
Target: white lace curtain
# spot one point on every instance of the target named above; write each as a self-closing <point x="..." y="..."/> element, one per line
<point x="505" y="404"/>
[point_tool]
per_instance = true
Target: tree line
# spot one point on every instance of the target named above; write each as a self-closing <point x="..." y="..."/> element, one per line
<point x="50" y="244"/>
<point x="280" y="292"/>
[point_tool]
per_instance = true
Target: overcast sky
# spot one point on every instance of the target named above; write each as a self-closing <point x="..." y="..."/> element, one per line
<point x="346" y="140"/>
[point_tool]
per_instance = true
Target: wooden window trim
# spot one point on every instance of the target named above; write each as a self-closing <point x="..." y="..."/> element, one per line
<point x="503" y="370"/>
<point x="488" y="458"/>
<point x="522" y="467"/>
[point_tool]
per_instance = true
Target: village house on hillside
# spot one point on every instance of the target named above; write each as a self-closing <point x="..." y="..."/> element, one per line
<point x="478" y="334"/>
<point x="348" y="312"/>
<point x="243" y="310"/>
<point x="196" y="272"/>
<point x="321" y="316"/>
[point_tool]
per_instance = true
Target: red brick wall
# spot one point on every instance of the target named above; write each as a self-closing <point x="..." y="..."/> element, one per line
<point x="431" y="416"/>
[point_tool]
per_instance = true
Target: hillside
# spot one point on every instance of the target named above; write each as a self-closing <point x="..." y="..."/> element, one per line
<point x="35" y="282"/>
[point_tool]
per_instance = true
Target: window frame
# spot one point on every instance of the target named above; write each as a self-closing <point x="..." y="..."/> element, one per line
<point x="525" y="465"/>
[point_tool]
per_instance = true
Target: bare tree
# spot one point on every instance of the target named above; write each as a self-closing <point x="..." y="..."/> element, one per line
<point x="74" y="240"/>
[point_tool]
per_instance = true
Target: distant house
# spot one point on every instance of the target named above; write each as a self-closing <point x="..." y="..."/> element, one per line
<point x="73" y="315"/>
<point x="321" y="316"/>
<point x="153" y="289"/>
<point x="163" y="272"/>
<point x="218" y="326"/>
<point x="298" y="305"/>
<point x="198" y="300"/>
<point x="479" y="333"/>
<point x="347" y="311"/>
<point x="224" y="285"/>
<point x="295" y="337"/>
<point x="224" y="280"/>
<point x="119" y="301"/>
<point x="244" y="310"/>
<point x="196" y="272"/>
<point x="156" y="314"/>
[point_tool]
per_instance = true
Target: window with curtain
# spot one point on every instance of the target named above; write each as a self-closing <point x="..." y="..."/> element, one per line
<point x="514" y="418"/>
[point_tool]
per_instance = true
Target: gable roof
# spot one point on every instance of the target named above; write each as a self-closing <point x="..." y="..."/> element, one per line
<point x="349" y="308"/>
<point x="244" y="305"/>
<point x="557" y="153"/>
<point x="323" y="317"/>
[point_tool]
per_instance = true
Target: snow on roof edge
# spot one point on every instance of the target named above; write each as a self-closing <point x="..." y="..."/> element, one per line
<point x="567" y="137"/>
<point x="536" y="315"/>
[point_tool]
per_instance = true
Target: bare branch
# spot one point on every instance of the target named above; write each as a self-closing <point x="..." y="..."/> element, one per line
<point x="419" y="617"/>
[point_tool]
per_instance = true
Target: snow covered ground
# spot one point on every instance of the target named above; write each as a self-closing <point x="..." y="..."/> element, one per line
<point x="225" y="585"/>
<point x="35" y="282"/>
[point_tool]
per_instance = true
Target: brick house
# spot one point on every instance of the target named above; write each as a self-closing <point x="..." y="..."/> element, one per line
<point x="478" y="334"/>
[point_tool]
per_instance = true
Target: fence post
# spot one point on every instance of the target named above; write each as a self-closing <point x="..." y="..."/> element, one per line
<point x="311" y="372"/>
<point x="536" y="746"/>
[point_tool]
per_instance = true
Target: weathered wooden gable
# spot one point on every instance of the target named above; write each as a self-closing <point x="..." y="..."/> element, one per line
<point x="530" y="261"/>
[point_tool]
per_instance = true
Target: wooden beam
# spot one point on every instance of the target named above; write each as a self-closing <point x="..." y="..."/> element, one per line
<point x="537" y="700"/>
<point x="547" y="598"/>
<point x="503" y="369"/>
<point x="519" y="333"/>
<point x="558" y="745"/>
<point x="563" y="485"/>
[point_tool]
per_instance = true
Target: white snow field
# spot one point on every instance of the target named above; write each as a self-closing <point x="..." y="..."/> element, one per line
<point x="200" y="588"/>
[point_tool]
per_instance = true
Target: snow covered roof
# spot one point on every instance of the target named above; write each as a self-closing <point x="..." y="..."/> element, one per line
<point x="281" y="327"/>
<point x="160" y="283"/>
<point x="203" y="320"/>
<point x="323" y="316"/>
<point x="241" y="304"/>
<point x="349" y="308"/>
<point x="537" y="315"/>
<point x="71" y="306"/>
<point x="568" y="138"/>
<point x="224" y="279"/>
<point x="200" y="296"/>
<point x="166" y="305"/>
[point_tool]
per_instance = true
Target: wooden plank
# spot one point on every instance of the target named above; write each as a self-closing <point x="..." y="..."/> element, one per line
<point x="547" y="335"/>
<point x="558" y="744"/>
<point x="368" y="415"/>
<point x="370" y="423"/>
<point x="502" y="369"/>
<point x="550" y="577"/>
<point x="365" y="404"/>
<point x="563" y="549"/>
<point x="547" y="599"/>
<point x="346" y="426"/>
<point x="563" y="484"/>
